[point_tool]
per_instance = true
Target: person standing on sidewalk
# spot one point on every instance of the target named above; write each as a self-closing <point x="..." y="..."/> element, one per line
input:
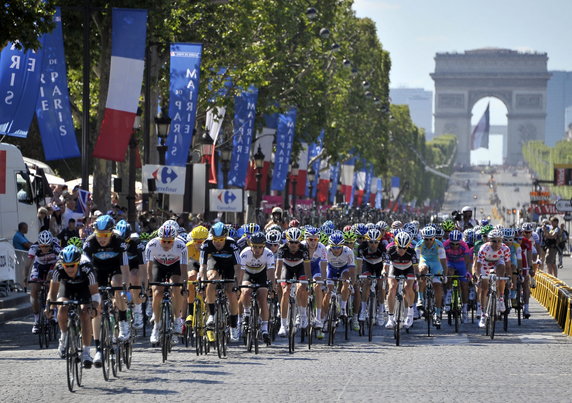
<point x="562" y="244"/>
<point x="551" y="236"/>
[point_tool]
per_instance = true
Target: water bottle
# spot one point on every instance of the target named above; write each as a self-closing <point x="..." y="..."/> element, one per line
<point x="472" y="294"/>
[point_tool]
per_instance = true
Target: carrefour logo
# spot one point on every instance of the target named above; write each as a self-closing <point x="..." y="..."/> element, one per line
<point x="164" y="175"/>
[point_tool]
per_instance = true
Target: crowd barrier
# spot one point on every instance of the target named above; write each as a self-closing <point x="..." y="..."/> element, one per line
<point x="556" y="296"/>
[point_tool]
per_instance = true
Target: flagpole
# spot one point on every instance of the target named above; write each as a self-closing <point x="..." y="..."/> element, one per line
<point x="85" y="97"/>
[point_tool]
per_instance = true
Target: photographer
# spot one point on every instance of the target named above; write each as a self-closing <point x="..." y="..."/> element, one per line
<point x="467" y="220"/>
<point x="551" y="237"/>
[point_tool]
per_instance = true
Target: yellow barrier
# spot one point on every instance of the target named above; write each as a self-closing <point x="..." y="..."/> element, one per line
<point x="556" y="296"/>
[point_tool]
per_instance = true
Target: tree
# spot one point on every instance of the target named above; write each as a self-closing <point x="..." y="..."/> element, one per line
<point x="23" y="21"/>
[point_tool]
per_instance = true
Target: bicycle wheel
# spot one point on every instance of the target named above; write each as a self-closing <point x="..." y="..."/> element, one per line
<point x="456" y="309"/>
<point x="291" y="326"/>
<point x="429" y="312"/>
<point x="128" y="353"/>
<point x="105" y="340"/>
<point x="255" y="326"/>
<point x="397" y="328"/>
<point x="43" y="331"/>
<point x="507" y="308"/>
<point x="518" y="306"/>
<point x="165" y="330"/>
<point x="491" y="315"/>
<point x="220" y="331"/>
<point x="78" y="349"/>
<point x="332" y="322"/>
<point x="197" y="326"/>
<point x="71" y="358"/>
<point x="370" y="316"/>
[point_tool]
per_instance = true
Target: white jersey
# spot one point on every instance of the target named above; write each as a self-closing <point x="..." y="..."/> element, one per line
<point x="254" y="265"/>
<point x="177" y="253"/>
<point x="320" y="254"/>
<point x="345" y="259"/>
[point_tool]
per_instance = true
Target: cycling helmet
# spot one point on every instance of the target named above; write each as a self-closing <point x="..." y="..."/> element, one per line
<point x="258" y="238"/>
<point x="382" y="226"/>
<point x="219" y="230"/>
<point x="231" y="230"/>
<point x="415" y="223"/>
<point x="275" y="227"/>
<point x="294" y="224"/>
<point x="370" y="225"/>
<point x="361" y="229"/>
<point x="469" y="236"/>
<point x="508" y="234"/>
<point x="349" y="236"/>
<point x="251" y="228"/>
<point x="74" y="240"/>
<point x="277" y="210"/>
<point x="448" y="225"/>
<point x="518" y="234"/>
<point x="311" y="231"/>
<point x="144" y="236"/>
<point x="402" y="239"/>
<point x="45" y="238"/>
<point x="104" y="223"/>
<point x="484" y="222"/>
<point x="199" y="233"/>
<point x="327" y="230"/>
<point x="273" y="237"/>
<point x="70" y="254"/>
<point x="455" y="236"/>
<point x="495" y="234"/>
<point x="396" y="231"/>
<point x="499" y="227"/>
<point x="173" y="223"/>
<point x="373" y="235"/>
<point x="466" y="208"/>
<point x="486" y="229"/>
<point x="324" y="237"/>
<point x="528" y="226"/>
<point x="411" y="229"/>
<point x="439" y="232"/>
<point x="294" y="234"/>
<point x="347" y="228"/>
<point x="329" y="224"/>
<point x="396" y="224"/>
<point x="167" y="231"/>
<point x="336" y="239"/>
<point x="428" y="232"/>
<point x="123" y="229"/>
<point x="478" y="236"/>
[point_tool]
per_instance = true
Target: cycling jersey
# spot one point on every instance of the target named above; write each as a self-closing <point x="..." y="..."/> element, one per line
<point x="293" y="261"/>
<point x="177" y="254"/>
<point x="107" y="260"/>
<point x="135" y="250"/>
<point x="431" y="256"/>
<point x="372" y="260"/>
<point x="525" y="246"/>
<point x="402" y="263"/>
<point x="456" y="254"/>
<point x="515" y="253"/>
<point x="193" y="255"/>
<point x="319" y="255"/>
<point x="255" y="268"/>
<point x="490" y="258"/>
<point x="43" y="261"/>
<point x="77" y="287"/>
<point x="222" y="260"/>
<point x="338" y="265"/>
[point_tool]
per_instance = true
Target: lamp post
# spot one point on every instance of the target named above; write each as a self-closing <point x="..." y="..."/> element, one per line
<point x="225" y="155"/>
<point x="311" y="177"/>
<point x="206" y="147"/>
<point x="162" y="127"/>
<point x="294" y="173"/>
<point x="131" y="210"/>
<point x="259" y="162"/>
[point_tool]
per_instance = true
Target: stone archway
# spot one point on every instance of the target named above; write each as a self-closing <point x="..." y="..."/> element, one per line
<point x="517" y="79"/>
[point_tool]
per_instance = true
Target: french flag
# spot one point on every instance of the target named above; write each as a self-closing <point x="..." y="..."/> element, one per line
<point x="373" y="191"/>
<point x="302" y="172"/>
<point x="324" y="182"/>
<point x="347" y="177"/>
<point x="129" y="29"/>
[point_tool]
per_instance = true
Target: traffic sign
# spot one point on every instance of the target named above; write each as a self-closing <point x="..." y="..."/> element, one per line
<point x="226" y="200"/>
<point x="563" y="205"/>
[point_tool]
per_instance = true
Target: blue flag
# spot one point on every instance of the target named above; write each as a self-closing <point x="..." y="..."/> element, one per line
<point x="245" y="113"/>
<point x="183" y="98"/>
<point x="368" y="176"/>
<point x="379" y="195"/>
<point x="315" y="150"/>
<point x="19" y="83"/>
<point x="334" y="178"/>
<point x="53" y="106"/>
<point x="284" y="139"/>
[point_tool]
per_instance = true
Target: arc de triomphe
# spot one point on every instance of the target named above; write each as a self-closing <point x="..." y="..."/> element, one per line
<point x="517" y="79"/>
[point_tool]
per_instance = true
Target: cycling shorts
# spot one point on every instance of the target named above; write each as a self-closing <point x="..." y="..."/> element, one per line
<point x="316" y="269"/>
<point x="40" y="271"/>
<point x="104" y="275"/>
<point x="293" y="272"/>
<point x="226" y="272"/>
<point x="409" y="272"/>
<point x="434" y="266"/>
<point x="369" y="269"/>
<point x="460" y="269"/>
<point x="255" y="278"/>
<point x="336" y="272"/>
<point x="78" y="292"/>
<point x="162" y="273"/>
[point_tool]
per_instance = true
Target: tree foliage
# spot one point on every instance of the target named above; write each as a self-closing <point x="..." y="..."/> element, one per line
<point x="23" y="21"/>
<point x="541" y="158"/>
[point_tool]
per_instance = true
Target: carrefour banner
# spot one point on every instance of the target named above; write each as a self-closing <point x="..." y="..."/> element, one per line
<point x="183" y="98"/>
<point x="334" y="178"/>
<point x="53" y="106"/>
<point x="284" y="139"/>
<point x="169" y="180"/>
<point x="245" y="112"/>
<point x="19" y="83"/>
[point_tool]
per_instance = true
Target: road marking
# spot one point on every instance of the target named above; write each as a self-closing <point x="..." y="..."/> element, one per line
<point x="345" y="386"/>
<point x="536" y="338"/>
<point x="460" y="338"/>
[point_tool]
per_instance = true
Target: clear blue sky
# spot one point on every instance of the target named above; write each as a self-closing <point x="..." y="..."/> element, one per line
<point x="413" y="31"/>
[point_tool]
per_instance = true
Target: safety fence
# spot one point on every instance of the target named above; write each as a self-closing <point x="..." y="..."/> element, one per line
<point x="556" y="296"/>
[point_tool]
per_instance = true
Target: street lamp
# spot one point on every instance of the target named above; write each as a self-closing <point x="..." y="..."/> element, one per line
<point x="311" y="177"/>
<point x="259" y="162"/>
<point x="294" y="173"/>
<point x="225" y="155"/>
<point x="162" y="126"/>
<point x="131" y="211"/>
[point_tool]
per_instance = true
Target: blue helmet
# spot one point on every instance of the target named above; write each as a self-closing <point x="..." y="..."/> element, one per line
<point x="219" y="230"/>
<point x="361" y="229"/>
<point x="70" y="254"/>
<point x="469" y="236"/>
<point x="231" y="231"/>
<point x="326" y="230"/>
<point x="258" y="238"/>
<point x="311" y="231"/>
<point x="251" y="228"/>
<point x="336" y="239"/>
<point x="455" y="236"/>
<point x="329" y="224"/>
<point x="123" y="228"/>
<point x="104" y="223"/>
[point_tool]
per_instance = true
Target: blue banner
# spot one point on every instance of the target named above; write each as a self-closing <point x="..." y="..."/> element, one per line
<point x="284" y="139"/>
<point x="19" y="82"/>
<point x="368" y="176"/>
<point x="354" y="188"/>
<point x="53" y="106"/>
<point x="183" y="99"/>
<point x="379" y="195"/>
<point x="245" y="113"/>
<point x="314" y="150"/>
<point x="334" y="179"/>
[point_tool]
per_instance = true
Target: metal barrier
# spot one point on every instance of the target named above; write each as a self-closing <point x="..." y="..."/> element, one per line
<point x="556" y="296"/>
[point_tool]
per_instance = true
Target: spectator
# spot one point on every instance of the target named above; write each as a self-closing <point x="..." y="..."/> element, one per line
<point x="56" y="218"/>
<point x="43" y="219"/>
<point x="68" y="233"/>
<point x="70" y="212"/>
<point x="551" y="237"/>
<point x="19" y="240"/>
<point x="276" y="219"/>
<point x="562" y="243"/>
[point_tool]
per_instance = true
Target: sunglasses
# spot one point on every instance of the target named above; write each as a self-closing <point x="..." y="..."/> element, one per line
<point x="258" y="246"/>
<point x="313" y="239"/>
<point x="372" y="241"/>
<point x="495" y="240"/>
<point x="70" y="265"/>
<point x="454" y="243"/>
<point x="402" y="247"/>
<point x="100" y="234"/>
<point x="294" y="242"/>
<point x="219" y="239"/>
<point x="336" y="247"/>
<point x="167" y="241"/>
<point x="198" y="241"/>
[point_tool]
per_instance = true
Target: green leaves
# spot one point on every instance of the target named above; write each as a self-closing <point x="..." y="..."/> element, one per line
<point x="24" y="21"/>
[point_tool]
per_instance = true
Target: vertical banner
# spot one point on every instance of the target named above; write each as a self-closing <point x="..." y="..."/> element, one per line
<point x="19" y="83"/>
<point x="53" y="106"/>
<point x="347" y="178"/>
<point x="284" y="139"/>
<point x="245" y="113"/>
<point x="335" y="178"/>
<point x="183" y="94"/>
<point x="324" y="182"/>
<point x="314" y="151"/>
<point x="372" y="190"/>
<point x="379" y="194"/>
<point x="264" y="141"/>
<point x="395" y="183"/>
<point x="367" y="187"/>
<point x="129" y="29"/>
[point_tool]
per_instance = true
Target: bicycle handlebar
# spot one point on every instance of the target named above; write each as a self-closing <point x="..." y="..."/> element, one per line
<point x="166" y="284"/>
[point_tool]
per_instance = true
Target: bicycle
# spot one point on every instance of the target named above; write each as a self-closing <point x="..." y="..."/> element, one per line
<point x="455" y="311"/>
<point x="252" y="333"/>
<point x="74" y="347"/>
<point x="44" y="324"/>
<point x="292" y="314"/>
<point x="491" y="309"/>
<point x="518" y="306"/>
<point x="221" y="316"/>
<point x="166" y="318"/>
<point x="127" y="349"/>
<point x="196" y="330"/>
<point x="429" y="303"/>
<point x="274" y="314"/>
<point x="311" y="313"/>
<point x="372" y="301"/>
<point x="108" y="333"/>
<point x="334" y="311"/>
<point x="472" y="304"/>
<point x="399" y="309"/>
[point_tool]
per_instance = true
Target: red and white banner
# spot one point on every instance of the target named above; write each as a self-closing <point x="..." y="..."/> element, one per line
<point x="324" y="182"/>
<point x="347" y="178"/>
<point x="129" y="28"/>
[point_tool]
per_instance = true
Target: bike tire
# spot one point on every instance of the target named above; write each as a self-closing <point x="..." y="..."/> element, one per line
<point x="429" y="313"/>
<point x="78" y="349"/>
<point x="291" y="327"/>
<point x="105" y="339"/>
<point x="254" y="326"/>
<point x="370" y="316"/>
<point x="332" y="323"/>
<point x="397" y="328"/>
<point x="519" y="301"/>
<point x="42" y="332"/>
<point x="165" y="331"/>
<point x="70" y="359"/>
<point x="219" y="331"/>
<point x="491" y="318"/>
<point x="128" y="354"/>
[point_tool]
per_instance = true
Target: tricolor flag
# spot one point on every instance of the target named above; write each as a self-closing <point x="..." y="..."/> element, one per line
<point x="265" y="138"/>
<point x="129" y="28"/>
<point x="82" y="201"/>
<point x="302" y="171"/>
<point x="347" y="177"/>
<point x="324" y="181"/>
<point x="480" y="135"/>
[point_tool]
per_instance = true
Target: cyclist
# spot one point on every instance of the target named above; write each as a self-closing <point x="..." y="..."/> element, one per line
<point x="220" y="259"/>
<point x="458" y="259"/>
<point x="166" y="258"/>
<point x="318" y="263"/>
<point x="400" y="260"/>
<point x="107" y="254"/>
<point x="341" y="266"/>
<point x="432" y="259"/>
<point x="273" y="241"/>
<point x="370" y="258"/>
<point x="293" y="261"/>
<point x="527" y="247"/>
<point x="135" y="251"/>
<point x="74" y="279"/>
<point x="257" y="263"/>
<point x="492" y="256"/>
<point x="247" y="231"/>
<point x="515" y="267"/>
<point x="195" y="239"/>
<point x="350" y="240"/>
<point x="43" y="255"/>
